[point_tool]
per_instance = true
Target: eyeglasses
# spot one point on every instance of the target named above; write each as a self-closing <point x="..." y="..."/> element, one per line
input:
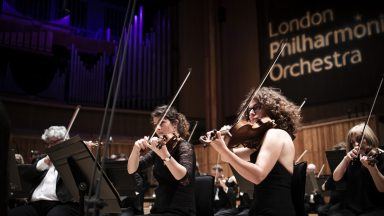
<point x="255" y="108"/>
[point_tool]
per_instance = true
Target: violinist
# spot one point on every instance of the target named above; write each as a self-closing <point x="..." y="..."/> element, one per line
<point x="363" y="174"/>
<point x="174" y="163"/>
<point x="50" y="196"/>
<point x="312" y="198"/>
<point x="224" y="191"/>
<point x="267" y="160"/>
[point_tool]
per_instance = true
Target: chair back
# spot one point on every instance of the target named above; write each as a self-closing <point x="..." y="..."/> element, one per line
<point x="298" y="187"/>
<point x="204" y="195"/>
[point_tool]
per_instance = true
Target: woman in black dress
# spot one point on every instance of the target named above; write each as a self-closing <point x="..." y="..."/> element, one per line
<point x="364" y="193"/>
<point x="174" y="164"/>
<point x="269" y="162"/>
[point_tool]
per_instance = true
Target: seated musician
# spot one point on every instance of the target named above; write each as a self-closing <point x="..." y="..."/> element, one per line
<point x="313" y="198"/>
<point x="224" y="191"/>
<point x="174" y="163"/>
<point x="49" y="197"/>
<point x="267" y="159"/>
<point x="362" y="173"/>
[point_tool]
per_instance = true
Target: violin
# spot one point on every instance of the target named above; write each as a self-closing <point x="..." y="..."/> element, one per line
<point x="373" y="155"/>
<point x="250" y="134"/>
<point x="375" y="151"/>
<point x="244" y="132"/>
<point x="169" y="141"/>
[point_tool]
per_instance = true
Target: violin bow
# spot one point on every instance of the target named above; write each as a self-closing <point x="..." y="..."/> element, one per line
<point x="370" y="112"/>
<point x="216" y="168"/>
<point x="72" y="120"/>
<point x="169" y="106"/>
<point x="193" y="130"/>
<point x="249" y="100"/>
<point x="321" y="170"/>
<point x="302" y="103"/>
<point x="301" y="156"/>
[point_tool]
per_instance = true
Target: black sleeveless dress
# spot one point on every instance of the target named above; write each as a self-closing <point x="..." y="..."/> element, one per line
<point x="272" y="196"/>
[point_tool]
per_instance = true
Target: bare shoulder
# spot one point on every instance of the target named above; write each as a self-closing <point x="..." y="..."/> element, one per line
<point x="277" y="138"/>
<point x="276" y="133"/>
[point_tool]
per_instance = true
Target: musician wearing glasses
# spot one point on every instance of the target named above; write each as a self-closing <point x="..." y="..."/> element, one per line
<point x="362" y="169"/>
<point x="267" y="158"/>
<point x="174" y="162"/>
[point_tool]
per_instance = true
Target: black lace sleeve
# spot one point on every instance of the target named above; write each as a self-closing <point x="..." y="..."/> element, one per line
<point x="147" y="160"/>
<point x="187" y="160"/>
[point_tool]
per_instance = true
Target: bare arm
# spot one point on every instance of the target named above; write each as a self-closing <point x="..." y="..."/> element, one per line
<point x="341" y="168"/>
<point x="243" y="153"/>
<point x="343" y="165"/>
<point x="377" y="177"/>
<point x="134" y="157"/>
<point x="133" y="161"/>
<point x="267" y="158"/>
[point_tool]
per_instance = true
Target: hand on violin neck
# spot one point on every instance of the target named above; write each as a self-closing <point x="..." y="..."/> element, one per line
<point x="217" y="140"/>
<point x="220" y="146"/>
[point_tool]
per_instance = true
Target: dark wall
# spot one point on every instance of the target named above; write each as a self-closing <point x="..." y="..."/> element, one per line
<point x="191" y="49"/>
<point x="239" y="62"/>
<point x="32" y="118"/>
<point x="238" y="70"/>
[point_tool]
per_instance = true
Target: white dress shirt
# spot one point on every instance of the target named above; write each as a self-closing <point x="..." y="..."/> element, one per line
<point x="47" y="187"/>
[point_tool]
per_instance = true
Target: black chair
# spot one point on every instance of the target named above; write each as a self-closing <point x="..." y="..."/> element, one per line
<point x="204" y="195"/>
<point x="298" y="187"/>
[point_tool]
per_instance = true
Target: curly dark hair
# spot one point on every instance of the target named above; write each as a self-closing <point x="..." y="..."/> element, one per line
<point x="174" y="117"/>
<point x="284" y="112"/>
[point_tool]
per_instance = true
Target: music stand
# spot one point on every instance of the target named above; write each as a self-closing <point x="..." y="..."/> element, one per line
<point x="244" y="185"/>
<point x="74" y="162"/>
<point x="124" y="182"/>
<point x="334" y="157"/>
<point x="19" y="186"/>
<point x="13" y="173"/>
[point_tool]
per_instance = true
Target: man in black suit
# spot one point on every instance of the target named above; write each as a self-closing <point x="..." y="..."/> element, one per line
<point x="49" y="197"/>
